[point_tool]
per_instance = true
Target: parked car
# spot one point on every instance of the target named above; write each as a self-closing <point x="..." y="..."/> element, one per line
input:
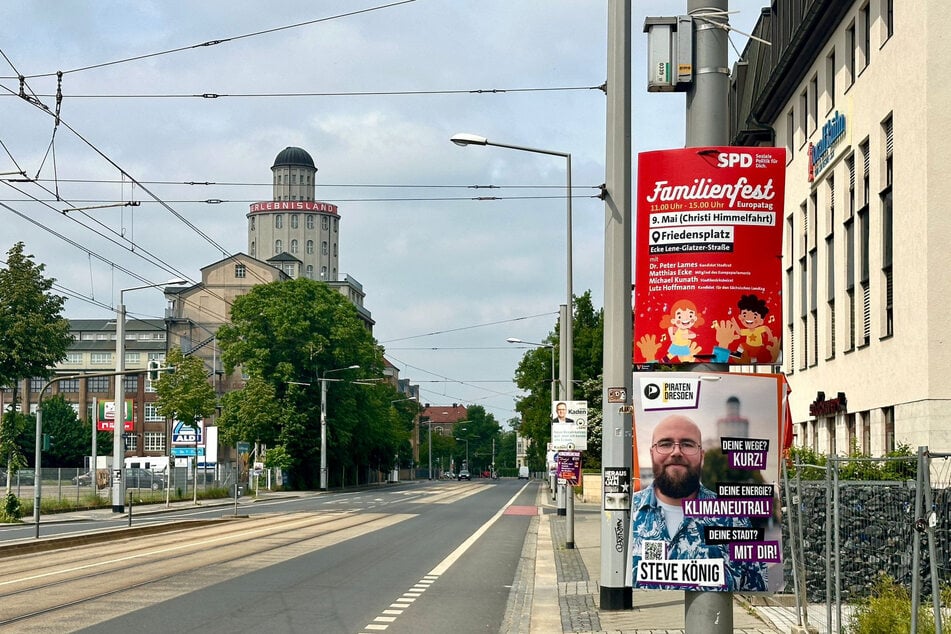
<point x="137" y="478"/>
<point x="83" y="479"/>
<point x="464" y="475"/>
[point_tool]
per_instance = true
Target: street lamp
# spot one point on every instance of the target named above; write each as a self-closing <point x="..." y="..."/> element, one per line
<point x="118" y="418"/>
<point x="551" y="347"/>
<point x="323" y="422"/>
<point x="567" y="369"/>
<point x="467" y="450"/>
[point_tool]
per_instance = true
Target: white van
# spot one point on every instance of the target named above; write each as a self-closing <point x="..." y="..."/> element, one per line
<point x="523" y="472"/>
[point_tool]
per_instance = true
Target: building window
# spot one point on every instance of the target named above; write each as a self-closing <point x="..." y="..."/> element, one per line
<point x="74" y="358"/>
<point x="131" y="384"/>
<point x="278" y="221"/>
<point x="251" y="223"/>
<point x="279" y="179"/>
<point x="885" y="197"/>
<point x="131" y="442"/>
<point x="813" y="103"/>
<point x="100" y="358"/>
<point x="324" y="223"/>
<point x="790" y="134"/>
<point x="830" y="80"/>
<point x="323" y="272"/>
<point x="131" y="359"/>
<point x="888" y="423"/>
<point x="804" y="116"/>
<point x="310" y="246"/>
<point x="865" y="43"/>
<point x="240" y="271"/>
<point x="889" y="12"/>
<point x="151" y="413"/>
<point x="294" y="246"/>
<point x="97" y="385"/>
<point x="278" y="247"/>
<point x="850" y="54"/>
<point x="310" y="221"/>
<point x="323" y="247"/>
<point x="154" y="441"/>
<point x="252" y="250"/>
<point x="70" y="386"/>
<point x="310" y="271"/>
<point x="335" y="225"/>
<point x="295" y="221"/>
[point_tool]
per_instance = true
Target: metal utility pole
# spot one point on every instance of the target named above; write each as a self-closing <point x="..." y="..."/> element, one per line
<point x="708" y="124"/>
<point x="616" y="435"/>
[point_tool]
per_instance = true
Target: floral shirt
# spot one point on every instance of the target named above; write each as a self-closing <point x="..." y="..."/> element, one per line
<point x="648" y="528"/>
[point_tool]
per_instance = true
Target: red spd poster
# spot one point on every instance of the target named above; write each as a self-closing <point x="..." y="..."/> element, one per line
<point x="708" y="272"/>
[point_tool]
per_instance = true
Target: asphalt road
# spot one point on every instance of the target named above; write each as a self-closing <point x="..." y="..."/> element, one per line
<point x="421" y="557"/>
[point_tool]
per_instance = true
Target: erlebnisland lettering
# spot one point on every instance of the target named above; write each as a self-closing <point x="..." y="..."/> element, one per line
<point x="693" y="572"/>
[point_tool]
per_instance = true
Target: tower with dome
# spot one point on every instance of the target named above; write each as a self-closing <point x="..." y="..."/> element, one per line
<point x="294" y="232"/>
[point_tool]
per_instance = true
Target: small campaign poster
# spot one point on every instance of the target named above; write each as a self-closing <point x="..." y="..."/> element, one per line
<point x="708" y="268"/>
<point x="708" y="515"/>
<point x="106" y="416"/>
<point x="569" y="424"/>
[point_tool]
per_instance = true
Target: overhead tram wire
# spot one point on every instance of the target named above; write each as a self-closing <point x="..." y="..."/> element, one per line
<point x="209" y="43"/>
<point x="357" y="93"/>
<point x="461" y="328"/>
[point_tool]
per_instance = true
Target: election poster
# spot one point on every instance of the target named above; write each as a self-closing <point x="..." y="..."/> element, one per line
<point x="569" y="424"/>
<point x="106" y="416"/>
<point x="707" y="516"/>
<point x="708" y="269"/>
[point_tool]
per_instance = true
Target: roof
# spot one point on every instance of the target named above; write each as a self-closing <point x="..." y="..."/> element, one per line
<point x="294" y="156"/>
<point x="445" y="413"/>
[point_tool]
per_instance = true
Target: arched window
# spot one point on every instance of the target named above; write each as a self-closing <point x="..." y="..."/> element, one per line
<point x="295" y="221"/>
<point x="310" y="221"/>
<point x="323" y="272"/>
<point x="310" y="271"/>
<point x="252" y="223"/>
<point x="252" y="249"/>
<point x="310" y="246"/>
<point x="278" y="247"/>
<point x="323" y="248"/>
<point x="293" y="246"/>
<point x="324" y="223"/>
<point x="278" y="221"/>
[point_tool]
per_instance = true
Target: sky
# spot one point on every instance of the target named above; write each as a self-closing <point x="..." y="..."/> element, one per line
<point x="373" y="90"/>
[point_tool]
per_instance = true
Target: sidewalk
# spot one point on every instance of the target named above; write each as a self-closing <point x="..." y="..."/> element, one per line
<point x="557" y="590"/>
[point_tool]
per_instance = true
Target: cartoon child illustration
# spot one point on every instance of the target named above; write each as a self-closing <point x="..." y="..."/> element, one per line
<point x="751" y="324"/>
<point x="679" y="323"/>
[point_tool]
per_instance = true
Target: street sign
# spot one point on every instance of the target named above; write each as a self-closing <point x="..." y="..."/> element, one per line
<point x="569" y="468"/>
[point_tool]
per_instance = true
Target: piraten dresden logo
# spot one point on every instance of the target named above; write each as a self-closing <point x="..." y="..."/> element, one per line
<point x="651" y="391"/>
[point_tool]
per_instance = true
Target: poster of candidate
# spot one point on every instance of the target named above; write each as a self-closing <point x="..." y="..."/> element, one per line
<point x="706" y="516"/>
<point x="708" y="270"/>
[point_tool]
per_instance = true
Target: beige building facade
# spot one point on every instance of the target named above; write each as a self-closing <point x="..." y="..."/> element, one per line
<point x="857" y="94"/>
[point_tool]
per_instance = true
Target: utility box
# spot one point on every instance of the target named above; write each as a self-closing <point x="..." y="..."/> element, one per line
<point x="669" y="53"/>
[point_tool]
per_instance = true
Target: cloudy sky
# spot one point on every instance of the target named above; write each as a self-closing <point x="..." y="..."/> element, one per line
<point x="373" y="90"/>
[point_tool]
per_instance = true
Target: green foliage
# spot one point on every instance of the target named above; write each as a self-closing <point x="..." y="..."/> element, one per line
<point x="70" y="437"/>
<point x="899" y="464"/>
<point x="34" y="336"/>
<point x="12" y="511"/>
<point x="287" y="336"/>
<point x="533" y="375"/>
<point x="185" y="395"/>
<point x="277" y="458"/>
<point x="888" y="611"/>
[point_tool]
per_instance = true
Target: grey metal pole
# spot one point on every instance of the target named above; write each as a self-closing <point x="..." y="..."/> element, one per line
<point x="323" y="434"/>
<point x="616" y="436"/>
<point x="564" y="311"/>
<point x="118" y="418"/>
<point x="429" y="447"/>
<point x="37" y="456"/>
<point x="707" y="123"/>
<point x="569" y="333"/>
<point x="570" y="520"/>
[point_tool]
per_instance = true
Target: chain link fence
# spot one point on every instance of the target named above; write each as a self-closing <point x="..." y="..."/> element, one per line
<point x="843" y="531"/>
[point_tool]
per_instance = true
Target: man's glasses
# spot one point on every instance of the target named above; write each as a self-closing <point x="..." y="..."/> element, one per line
<point x="687" y="447"/>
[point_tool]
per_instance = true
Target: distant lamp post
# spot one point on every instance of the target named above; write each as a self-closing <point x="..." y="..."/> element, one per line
<point x="551" y="347"/>
<point x="118" y="448"/>
<point x="467" y="450"/>
<point x="323" y="422"/>
<point x="567" y="368"/>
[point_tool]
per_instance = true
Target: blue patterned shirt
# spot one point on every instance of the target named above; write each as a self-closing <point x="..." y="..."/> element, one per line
<point x="687" y="542"/>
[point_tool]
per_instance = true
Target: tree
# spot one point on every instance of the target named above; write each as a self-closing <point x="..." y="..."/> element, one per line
<point x="34" y="336"/>
<point x="185" y="394"/>
<point x="533" y="375"/>
<point x="288" y="335"/>
<point x="252" y="413"/>
<point x="70" y="438"/>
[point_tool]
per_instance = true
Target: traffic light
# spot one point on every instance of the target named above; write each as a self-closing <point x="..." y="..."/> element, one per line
<point x="153" y="370"/>
<point x="47" y="442"/>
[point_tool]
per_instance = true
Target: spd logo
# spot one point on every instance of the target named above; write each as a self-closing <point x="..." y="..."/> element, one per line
<point x="734" y="159"/>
